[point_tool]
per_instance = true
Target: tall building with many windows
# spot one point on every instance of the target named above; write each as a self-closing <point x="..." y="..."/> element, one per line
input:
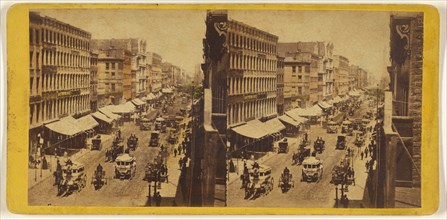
<point x="59" y="73"/>
<point x="112" y="64"/>
<point x="240" y="87"/>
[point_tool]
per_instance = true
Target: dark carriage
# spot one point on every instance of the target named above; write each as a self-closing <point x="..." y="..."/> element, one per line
<point x="99" y="178"/>
<point x="319" y="145"/>
<point x="73" y="178"/>
<point x="96" y="143"/>
<point x="116" y="149"/>
<point x="286" y="181"/>
<point x="132" y="143"/>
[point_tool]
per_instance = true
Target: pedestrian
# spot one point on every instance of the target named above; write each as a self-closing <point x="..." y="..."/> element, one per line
<point x="366" y="152"/>
<point x="361" y="155"/>
<point x="179" y="149"/>
<point x="345" y="201"/>
<point x="180" y="161"/>
<point x="175" y="152"/>
<point x="158" y="199"/>
<point x="367" y="165"/>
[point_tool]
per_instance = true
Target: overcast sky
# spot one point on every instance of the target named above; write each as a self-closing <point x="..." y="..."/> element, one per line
<point x="363" y="37"/>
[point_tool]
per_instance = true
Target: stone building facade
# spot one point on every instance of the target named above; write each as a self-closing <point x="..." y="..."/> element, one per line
<point x="341" y="75"/>
<point x="139" y="74"/>
<point x="111" y="66"/>
<point x="280" y="86"/>
<point x="93" y="81"/>
<point x="314" y="85"/>
<point x="406" y="43"/>
<point x="59" y="73"/>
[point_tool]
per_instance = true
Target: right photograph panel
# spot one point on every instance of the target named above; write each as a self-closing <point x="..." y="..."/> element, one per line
<point x="316" y="109"/>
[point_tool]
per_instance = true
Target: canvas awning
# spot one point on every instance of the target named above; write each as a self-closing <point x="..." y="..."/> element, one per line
<point x="254" y="129"/>
<point x="324" y="105"/>
<point x="289" y="120"/>
<point x="125" y="108"/>
<point x="66" y="126"/>
<point x="337" y="99"/>
<point x="275" y="124"/>
<point x="167" y="90"/>
<point x="151" y="96"/>
<point x="138" y="102"/>
<point x="108" y="113"/>
<point x="295" y="114"/>
<point x="87" y="122"/>
<point x="102" y="117"/>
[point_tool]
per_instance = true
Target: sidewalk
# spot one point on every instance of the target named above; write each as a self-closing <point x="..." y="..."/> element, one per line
<point x="358" y="198"/>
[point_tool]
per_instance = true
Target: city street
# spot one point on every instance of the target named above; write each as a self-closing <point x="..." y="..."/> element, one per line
<point x="117" y="192"/>
<point x="304" y="194"/>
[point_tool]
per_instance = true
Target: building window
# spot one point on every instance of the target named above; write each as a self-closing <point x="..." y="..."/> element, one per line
<point x="113" y="87"/>
<point x="113" y="74"/>
<point x="300" y="69"/>
<point x="294" y="69"/>
<point x="113" y="66"/>
<point x="107" y="66"/>
<point x="300" y="77"/>
<point x="300" y="90"/>
<point x="307" y="69"/>
<point x="107" y="73"/>
<point x="31" y="59"/>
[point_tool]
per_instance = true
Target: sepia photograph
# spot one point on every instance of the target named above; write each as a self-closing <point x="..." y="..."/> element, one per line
<point x="225" y="108"/>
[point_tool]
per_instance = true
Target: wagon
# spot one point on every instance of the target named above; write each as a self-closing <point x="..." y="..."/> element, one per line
<point x="99" y="178"/>
<point x="125" y="167"/>
<point x="73" y="178"/>
<point x="312" y="169"/>
<point x="96" y="143"/>
<point x="261" y="182"/>
<point x="286" y="181"/>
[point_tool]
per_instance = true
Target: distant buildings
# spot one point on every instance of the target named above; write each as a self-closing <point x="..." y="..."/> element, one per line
<point x="114" y="78"/>
<point x="341" y="75"/>
<point x="308" y="75"/>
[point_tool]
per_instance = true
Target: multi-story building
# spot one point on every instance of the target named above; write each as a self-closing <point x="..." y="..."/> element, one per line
<point x="341" y="75"/>
<point x="239" y="87"/>
<point x="139" y="74"/>
<point x="155" y="73"/>
<point x="111" y="66"/>
<point x="93" y="81"/>
<point x="280" y="86"/>
<point x="318" y="83"/>
<point x="59" y="74"/>
<point x="297" y="68"/>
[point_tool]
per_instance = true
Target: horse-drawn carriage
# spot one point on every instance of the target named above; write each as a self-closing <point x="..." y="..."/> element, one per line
<point x="99" y="177"/>
<point x="319" y="145"/>
<point x="96" y="143"/>
<point x="283" y="146"/>
<point x="154" y="141"/>
<point x="342" y="173"/>
<point x="312" y="169"/>
<point x="346" y="127"/>
<point x="359" y="138"/>
<point x="303" y="152"/>
<point x="259" y="182"/>
<point x="116" y="149"/>
<point x="72" y="177"/>
<point x="286" y="180"/>
<point x="331" y="127"/>
<point x="132" y="142"/>
<point x="156" y="172"/>
<point x="341" y="142"/>
<point x="125" y="167"/>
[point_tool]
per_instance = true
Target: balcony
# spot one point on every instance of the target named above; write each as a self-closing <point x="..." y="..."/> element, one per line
<point x="49" y="46"/>
<point x="47" y="69"/>
<point x="48" y="95"/>
<point x="35" y="98"/>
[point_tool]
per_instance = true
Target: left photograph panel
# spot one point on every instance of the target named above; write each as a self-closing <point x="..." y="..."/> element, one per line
<point x="115" y="97"/>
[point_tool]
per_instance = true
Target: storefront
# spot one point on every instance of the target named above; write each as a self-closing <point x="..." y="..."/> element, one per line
<point x="65" y="136"/>
<point x="105" y="124"/>
<point x="292" y="126"/>
<point x="254" y="136"/>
